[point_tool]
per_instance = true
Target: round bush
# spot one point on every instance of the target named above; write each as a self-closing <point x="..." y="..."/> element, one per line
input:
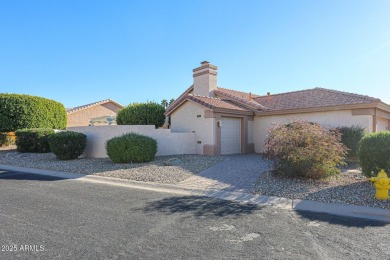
<point x="132" y="148"/>
<point x="33" y="140"/>
<point x="67" y="145"/>
<point x="350" y="137"/>
<point x="149" y="113"/>
<point x="24" y="111"/>
<point x="374" y="153"/>
<point x="304" y="149"/>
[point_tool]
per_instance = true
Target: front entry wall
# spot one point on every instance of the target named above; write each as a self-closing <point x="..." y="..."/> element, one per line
<point x="235" y="141"/>
<point x="190" y="118"/>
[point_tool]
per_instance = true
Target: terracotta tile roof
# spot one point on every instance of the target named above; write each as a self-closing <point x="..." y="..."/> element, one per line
<point x="303" y="99"/>
<point x="215" y="103"/>
<point x="179" y="100"/>
<point x="312" y="98"/>
<point x="75" y="109"/>
<point x="240" y="94"/>
<point x="242" y="98"/>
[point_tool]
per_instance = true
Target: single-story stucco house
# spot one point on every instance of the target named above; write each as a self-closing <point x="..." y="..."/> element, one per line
<point x="228" y="121"/>
<point x="97" y="112"/>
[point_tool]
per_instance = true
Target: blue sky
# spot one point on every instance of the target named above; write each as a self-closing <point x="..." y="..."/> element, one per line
<point x="78" y="52"/>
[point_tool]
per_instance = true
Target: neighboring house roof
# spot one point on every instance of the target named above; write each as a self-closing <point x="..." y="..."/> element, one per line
<point x="75" y="109"/>
<point x="304" y="99"/>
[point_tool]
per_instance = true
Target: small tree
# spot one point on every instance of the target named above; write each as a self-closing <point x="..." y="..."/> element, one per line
<point x="304" y="149"/>
<point x="149" y="113"/>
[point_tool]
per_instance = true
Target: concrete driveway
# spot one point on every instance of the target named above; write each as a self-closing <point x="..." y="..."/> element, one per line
<point x="237" y="173"/>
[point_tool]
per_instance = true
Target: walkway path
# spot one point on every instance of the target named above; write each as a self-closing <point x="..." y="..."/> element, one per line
<point x="236" y="173"/>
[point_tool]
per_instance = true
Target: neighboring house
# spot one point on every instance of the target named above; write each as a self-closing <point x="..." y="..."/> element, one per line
<point x="228" y="121"/>
<point x="98" y="113"/>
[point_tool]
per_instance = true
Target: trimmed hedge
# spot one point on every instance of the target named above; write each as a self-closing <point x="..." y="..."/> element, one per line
<point x="67" y="145"/>
<point x="27" y="112"/>
<point x="351" y="137"/>
<point x="374" y="154"/>
<point x="132" y="148"/>
<point x="149" y="113"/>
<point x="303" y="149"/>
<point x="33" y="140"/>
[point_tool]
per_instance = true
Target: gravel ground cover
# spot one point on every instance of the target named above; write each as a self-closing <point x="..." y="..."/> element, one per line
<point x="349" y="187"/>
<point x="164" y="169"/>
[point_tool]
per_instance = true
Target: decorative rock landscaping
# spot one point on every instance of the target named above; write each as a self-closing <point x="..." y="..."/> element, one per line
<point x="350" y="187"/>
<point x="164" y="169"/>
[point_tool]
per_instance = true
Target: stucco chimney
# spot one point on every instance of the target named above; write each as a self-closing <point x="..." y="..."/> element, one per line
<point x="205" y="79"/>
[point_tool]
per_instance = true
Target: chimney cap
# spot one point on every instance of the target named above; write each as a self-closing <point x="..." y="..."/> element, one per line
<point x="205" y="62"/>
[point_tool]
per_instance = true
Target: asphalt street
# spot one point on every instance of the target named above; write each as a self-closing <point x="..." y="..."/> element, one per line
<point x="43" y="217"/>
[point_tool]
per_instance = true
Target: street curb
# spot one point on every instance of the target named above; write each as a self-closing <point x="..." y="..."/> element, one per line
<point x="345" y="210"/>
<point x="159" y="187"/>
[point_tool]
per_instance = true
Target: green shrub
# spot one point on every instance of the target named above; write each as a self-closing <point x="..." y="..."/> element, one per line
<point x="149" y="113"/>
<point x="132" y="148"/>
<point x="303" y="149"/>
<point x="9" y="140"/>
<point x="374" y="153"/>
<point x="3" y="139"/>
<point x="350" y="137"/>
<point x="26" y="112"/>
<point x="67" y="145"/>
<point x="33" y="140"/>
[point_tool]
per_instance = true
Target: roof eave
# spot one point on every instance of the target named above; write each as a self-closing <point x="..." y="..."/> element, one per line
<point x="318" y="109"/>
<point x="383" y="106"/>
<point x="232" y="111"/>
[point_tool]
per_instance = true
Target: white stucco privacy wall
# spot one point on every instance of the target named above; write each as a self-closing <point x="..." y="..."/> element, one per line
<point x="168" y="143"/>
<point x="191" y="118"/>
<point x="262" y="124"/>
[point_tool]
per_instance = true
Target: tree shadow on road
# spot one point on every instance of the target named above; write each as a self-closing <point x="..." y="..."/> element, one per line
<point x="200" y="206"/>
<point x="9" y="175"/>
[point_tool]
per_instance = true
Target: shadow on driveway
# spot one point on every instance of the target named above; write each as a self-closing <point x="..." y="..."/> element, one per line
<point x="200" y="206"/>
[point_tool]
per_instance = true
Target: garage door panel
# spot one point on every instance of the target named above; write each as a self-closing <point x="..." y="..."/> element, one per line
<point x="230" y="135"/>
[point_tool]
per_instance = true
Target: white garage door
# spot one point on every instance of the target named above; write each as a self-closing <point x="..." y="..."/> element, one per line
<point x="230" y="135"/>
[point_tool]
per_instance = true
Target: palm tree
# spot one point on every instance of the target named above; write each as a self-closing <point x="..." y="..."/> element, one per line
<point x="164" y="103"/>
<point x="171" y="101"/>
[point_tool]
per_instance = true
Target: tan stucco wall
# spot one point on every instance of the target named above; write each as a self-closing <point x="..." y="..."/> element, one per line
<point x="168" y="143"/>
<point x="185" y="119"/>
<point x="82" y="117"/>
<point x="382" y="124"/>
<point x="250" y="132"/>
<point x="205" y="84"/>
<point x="262" y="124"/>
